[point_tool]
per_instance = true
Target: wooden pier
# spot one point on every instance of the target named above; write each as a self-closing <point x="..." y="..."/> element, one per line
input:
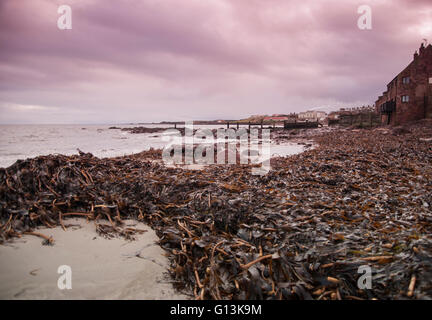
<point x="283" y="124"/>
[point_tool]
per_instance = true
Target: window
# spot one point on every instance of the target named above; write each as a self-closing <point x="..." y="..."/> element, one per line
<point x="405" y="98"/>
<point x="405" y="80"/>
<point x="430" y="80"/>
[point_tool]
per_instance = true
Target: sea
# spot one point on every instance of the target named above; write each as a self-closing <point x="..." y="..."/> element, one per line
<point x="28" y="141"/>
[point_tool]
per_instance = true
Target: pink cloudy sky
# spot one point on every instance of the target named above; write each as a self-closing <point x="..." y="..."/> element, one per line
<point x="153" y="60"/>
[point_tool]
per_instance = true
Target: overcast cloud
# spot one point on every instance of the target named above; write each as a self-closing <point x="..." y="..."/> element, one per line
<point x="153" y="60"/>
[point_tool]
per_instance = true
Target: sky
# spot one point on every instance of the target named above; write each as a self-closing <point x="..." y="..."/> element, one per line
<point x="153" y="60"/>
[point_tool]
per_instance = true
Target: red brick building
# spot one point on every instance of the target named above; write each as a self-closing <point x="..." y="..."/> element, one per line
<point x="409" y="94"/>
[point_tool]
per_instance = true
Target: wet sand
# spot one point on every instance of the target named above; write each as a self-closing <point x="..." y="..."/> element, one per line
<point x="101" y="268"/>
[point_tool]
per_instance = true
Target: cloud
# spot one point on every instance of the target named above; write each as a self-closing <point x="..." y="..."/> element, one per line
<point x="154" y="60"/>
<point x="25" y="108"/>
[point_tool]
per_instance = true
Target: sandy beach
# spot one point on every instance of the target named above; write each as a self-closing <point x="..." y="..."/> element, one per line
<point x="101" y="268"/>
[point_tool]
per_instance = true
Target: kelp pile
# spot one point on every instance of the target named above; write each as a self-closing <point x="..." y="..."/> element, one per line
<point x="360" y="199"/>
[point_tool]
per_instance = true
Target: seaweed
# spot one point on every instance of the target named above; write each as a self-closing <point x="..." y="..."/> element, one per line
<point x="359" y="198"/>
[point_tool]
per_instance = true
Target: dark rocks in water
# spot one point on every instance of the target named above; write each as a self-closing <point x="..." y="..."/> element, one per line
<point x="137" y="130"/>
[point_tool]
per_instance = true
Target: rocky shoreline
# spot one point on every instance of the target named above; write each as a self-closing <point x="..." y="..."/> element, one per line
<point x="359" y="198"/>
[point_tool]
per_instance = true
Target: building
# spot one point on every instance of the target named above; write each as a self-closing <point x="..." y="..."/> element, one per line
<point x="312" y="115"/>
<point x="353" y="110"/>
<point x="409" y="95"/>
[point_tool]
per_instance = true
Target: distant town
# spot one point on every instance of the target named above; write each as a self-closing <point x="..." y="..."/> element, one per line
<point x="408" y="98"/>
<point x="307" y="118"/>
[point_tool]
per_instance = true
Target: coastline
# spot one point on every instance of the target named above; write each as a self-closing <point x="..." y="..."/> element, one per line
<point x="300" y="232"/>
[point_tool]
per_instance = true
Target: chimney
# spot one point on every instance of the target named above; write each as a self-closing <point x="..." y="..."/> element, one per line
<point x="415" y="55"/>
<point x="421" y="50"/>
